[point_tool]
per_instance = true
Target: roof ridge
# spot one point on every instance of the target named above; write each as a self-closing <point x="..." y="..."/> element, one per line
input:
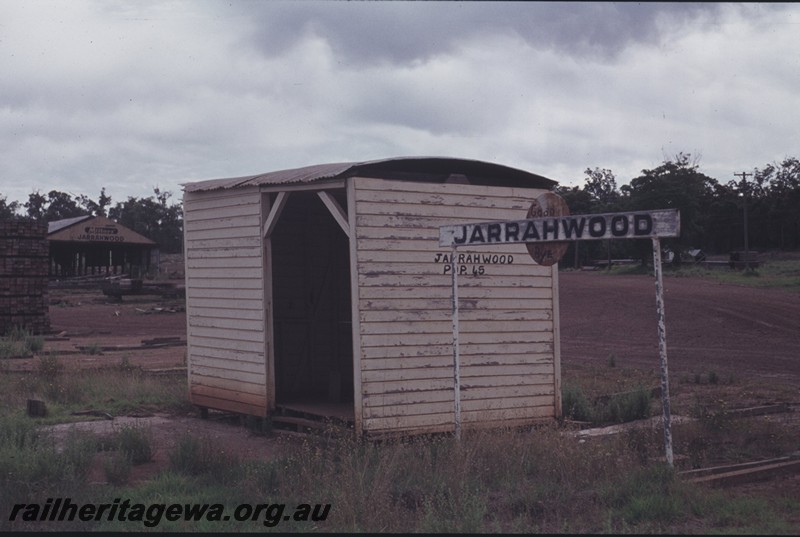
<point x="421" y="165"/>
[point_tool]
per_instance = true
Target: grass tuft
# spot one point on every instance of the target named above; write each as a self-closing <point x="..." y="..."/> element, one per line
<point x="20" y="343"/>
<point x="135" y="443"/>
<point x="617" y="408"/>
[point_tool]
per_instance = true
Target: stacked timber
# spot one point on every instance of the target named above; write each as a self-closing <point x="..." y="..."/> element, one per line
<point x="24" y="258"/>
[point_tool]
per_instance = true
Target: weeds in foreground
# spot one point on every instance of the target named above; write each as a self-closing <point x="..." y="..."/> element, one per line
<point x="20" y="343"/>
<point x="135" y="443"/>
<point x="490" y="481"/>
<point x="93" y="349"/>
<point x="198" y="456"/>
<point x="531" y="481"/>
<point x="616" y="408"/>
<point x="115" y="390"/>
<point x="50" y="366"/>
<point x="117" y="468"/>
<point x="33" y="466"/>
<point x="575" y="405"/>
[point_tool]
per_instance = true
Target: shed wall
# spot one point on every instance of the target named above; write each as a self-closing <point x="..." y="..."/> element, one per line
<point x="509" y="358"/>
<point x="225" y="300"/>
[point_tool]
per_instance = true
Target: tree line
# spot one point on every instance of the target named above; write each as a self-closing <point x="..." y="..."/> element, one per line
<point x="712" y="212"/>
<point x="155" y="216"/>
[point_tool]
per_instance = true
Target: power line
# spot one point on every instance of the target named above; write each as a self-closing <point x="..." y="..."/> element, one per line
<point x="744" y="175"/>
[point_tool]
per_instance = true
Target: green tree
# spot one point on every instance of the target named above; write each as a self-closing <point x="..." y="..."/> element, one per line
<point x="675" y="184"/>
<point x="62" y="205"/>
<point x="8" y="209"/>
<point x="55" y="206"/>
<point x="722" y="230"/>
<point x="154" y="217"/>
<point x="578" y="200"/>
<point x="780" y="196"/>
<point x="36" y="205"/>
<point x="599" y="194"/>
<point x="601" y="185"/>
<point x="97" y="208"/>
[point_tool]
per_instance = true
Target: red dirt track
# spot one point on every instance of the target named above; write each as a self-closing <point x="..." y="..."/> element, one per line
<point x="91" y="314"/>
<point x="709" y="326"/>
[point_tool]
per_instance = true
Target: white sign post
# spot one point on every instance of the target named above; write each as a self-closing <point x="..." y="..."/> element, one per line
<point x="559" y="228"/>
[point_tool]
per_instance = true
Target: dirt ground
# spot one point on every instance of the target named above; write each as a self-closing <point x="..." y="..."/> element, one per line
<point x="749" y="337"/>
<point x="747" y="333"/>
<point x="709" y="326"/>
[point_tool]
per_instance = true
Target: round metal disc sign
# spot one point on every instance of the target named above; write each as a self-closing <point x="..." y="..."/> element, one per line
<point x="547" y="205"/>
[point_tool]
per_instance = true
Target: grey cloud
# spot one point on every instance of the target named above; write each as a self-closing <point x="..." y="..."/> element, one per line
<point x="403" y="32"/>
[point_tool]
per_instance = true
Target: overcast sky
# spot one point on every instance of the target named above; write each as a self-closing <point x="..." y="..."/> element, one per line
<point x="129" y="95"/>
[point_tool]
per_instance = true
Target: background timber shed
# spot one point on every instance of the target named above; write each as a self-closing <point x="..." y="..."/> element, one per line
<point x="324" y="290"/>
<point x="88" y="244"/>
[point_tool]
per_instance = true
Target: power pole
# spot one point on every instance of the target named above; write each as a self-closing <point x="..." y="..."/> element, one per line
<point x="744" y="175"/>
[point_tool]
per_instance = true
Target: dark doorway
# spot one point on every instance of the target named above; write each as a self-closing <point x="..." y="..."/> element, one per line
<point x="311" y="306"/>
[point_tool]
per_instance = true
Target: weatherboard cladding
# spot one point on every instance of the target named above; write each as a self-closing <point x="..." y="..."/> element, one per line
<point x="507" y="327"/>
<point x="225" y="301"/>
<point x="411" y="165"/>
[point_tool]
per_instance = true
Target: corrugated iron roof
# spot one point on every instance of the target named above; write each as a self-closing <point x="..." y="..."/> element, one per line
<point x="479" y="172"/>
<point x="56" y="225"/>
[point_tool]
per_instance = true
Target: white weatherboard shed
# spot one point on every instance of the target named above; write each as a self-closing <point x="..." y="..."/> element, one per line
<point x="324" y="289"/>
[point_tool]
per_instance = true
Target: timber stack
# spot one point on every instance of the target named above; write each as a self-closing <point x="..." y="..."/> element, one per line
<point x="24" y="258"/>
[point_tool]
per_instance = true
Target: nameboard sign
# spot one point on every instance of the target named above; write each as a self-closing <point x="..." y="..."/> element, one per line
<point x="625" y="225"/>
